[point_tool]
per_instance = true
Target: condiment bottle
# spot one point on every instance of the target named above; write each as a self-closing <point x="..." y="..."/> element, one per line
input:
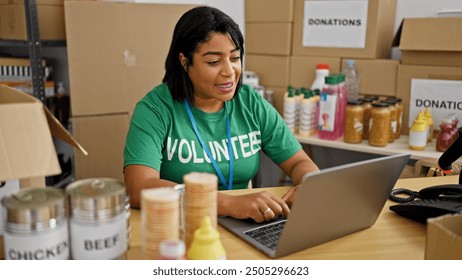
<point x="354" y="122"/>
<point x="379" y="125"/>
<point x="431" y="124"/>
<point x="290" y="109"/>
<point x="418" y="134"/>
<point x="367" y="105"/>
<point x="307" y="111"/>
<point x="444" y="139"/>
<point x="206" y="244"/>
<point x="393" y="119"/>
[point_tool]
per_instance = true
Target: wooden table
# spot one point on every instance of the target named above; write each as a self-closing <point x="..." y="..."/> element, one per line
<point x="391" y="238"/>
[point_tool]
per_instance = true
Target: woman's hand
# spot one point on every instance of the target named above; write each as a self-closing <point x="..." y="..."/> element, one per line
<point x="259" y="206"/>
<point x="289" y="196"/>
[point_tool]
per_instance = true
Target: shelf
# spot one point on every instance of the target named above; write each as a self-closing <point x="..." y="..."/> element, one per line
<point x="398" y="146"/>
<point x="25" y="43"/>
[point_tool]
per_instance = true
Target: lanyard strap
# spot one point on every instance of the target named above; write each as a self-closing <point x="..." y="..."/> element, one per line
<point x="229" y="186"/>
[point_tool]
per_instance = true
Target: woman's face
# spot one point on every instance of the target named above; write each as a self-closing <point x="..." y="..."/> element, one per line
<point x="215" y="72"/>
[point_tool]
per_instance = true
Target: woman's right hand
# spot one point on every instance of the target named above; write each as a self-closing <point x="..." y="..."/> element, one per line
<point x="259" y="206"/>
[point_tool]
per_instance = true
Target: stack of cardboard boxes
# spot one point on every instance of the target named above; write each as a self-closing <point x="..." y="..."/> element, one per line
<point x="294" y="63"/>
<point x="431" y="49"/>
<point x="116" y="54"/>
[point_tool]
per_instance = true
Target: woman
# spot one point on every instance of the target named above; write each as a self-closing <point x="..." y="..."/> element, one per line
<point x="203" y="119"/>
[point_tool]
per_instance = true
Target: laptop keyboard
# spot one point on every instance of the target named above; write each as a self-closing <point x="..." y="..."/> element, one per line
<point x="268" y="235"/>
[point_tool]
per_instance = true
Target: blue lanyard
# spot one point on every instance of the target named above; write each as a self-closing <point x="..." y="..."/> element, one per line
<point x="229" y="186"/>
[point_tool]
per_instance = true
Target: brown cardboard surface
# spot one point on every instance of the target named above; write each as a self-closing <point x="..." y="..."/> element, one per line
<point x="272" y="70"/>
<point x="408" y="72"/>
<point x="444" y="238"/>
<point x="104" y="137"/>
<point x="430" y="41"/>
<point x="303" y="69"/>
<point x="269" y="10"/>
<point x="116" y="52"/>
<point x="268" y="38"/>
<point x="379" y="33"/>
<point x="50" y="22"/>
<point x="26" y="146"/>
<point x="376" y="76"/>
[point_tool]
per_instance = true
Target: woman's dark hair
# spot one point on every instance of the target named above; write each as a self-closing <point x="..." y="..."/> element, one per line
<point x="195" y="27"/>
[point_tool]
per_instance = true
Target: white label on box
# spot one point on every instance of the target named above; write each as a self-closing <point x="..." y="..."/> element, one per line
<point x="6" y="188"/>
<point x="335" y="24"/>
<point x="441" y="97"/>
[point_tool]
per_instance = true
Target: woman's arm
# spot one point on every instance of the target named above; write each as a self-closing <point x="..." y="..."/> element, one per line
<point x="296" y="167"/>
<point x="139" y="177"/>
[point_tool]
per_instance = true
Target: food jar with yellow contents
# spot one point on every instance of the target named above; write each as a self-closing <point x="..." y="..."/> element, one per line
<point x="379" y="125"/>
<point x="354" y="122"/>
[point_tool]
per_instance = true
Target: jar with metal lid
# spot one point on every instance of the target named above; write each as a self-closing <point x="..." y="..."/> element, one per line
<point x="354" y="122"/>
<point x="379" y="125"/>
<point x="99" y="214"/>
<point x="393" y="119"/>
<point x="367" y="106"/>
<point x="399" y="114"/>
<point x="36" y="225"/>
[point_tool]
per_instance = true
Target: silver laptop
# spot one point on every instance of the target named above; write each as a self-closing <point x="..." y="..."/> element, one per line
<point x="330" y="204"/>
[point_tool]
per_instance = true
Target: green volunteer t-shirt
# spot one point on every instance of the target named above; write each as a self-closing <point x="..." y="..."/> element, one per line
<point x="161" y="136"/>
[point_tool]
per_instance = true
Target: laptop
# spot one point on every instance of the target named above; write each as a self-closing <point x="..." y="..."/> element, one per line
<point x="332" y="203"/>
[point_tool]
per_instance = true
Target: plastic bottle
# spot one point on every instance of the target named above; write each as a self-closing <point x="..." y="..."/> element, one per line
<point x="307" y="112"/>
<point x="322" y="71"/>
<point x="341" y="105"/>
<point x="290" y="109"/>
<point x="418" y="134"/>
<point x="444" y="139"/>
<point x="328" y="109"/>
<point x="206" y="244"/>
<point x="431" y="124"/>
<point x="351" y="79"/>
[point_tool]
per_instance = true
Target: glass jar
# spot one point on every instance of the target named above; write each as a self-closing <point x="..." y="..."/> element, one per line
<point x="36" y="225"/>
<point x="379" y="125"/>
<point x="367" y="105"/>
<point x="99" y="216"/>
<point x="393" y="120"/>
<point x="354" y="122"/>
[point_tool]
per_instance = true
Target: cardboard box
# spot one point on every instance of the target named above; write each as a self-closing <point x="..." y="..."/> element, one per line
<point x="378" y="31"/>
<point x="408" y="72"/>
<point x="104" y="137"/>
<point x="430" y="41"/>
<point x="269" y="11"/>
<point x="272" y="70"/>
<point x="50" y="20"/>
<point x="376" y="76"/>
<point x="303" y="69"/>
<point x="268" y="38"/>
<point x="27" y="151"/>
<point x="116" y="52"/>
<point x="444" y="238"/>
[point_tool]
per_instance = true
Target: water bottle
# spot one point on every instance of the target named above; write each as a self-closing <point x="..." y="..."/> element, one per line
<point x="351" y="80"/>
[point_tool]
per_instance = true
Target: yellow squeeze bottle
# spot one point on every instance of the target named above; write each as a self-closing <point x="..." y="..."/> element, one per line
<point x="206" y="244"/>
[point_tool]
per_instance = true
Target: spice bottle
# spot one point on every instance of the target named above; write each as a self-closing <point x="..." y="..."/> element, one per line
<point x="354" y="122"/>
<point x="418" y="134"/>
<point x="379" y="125"/>
<point x="36" y="225"/>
